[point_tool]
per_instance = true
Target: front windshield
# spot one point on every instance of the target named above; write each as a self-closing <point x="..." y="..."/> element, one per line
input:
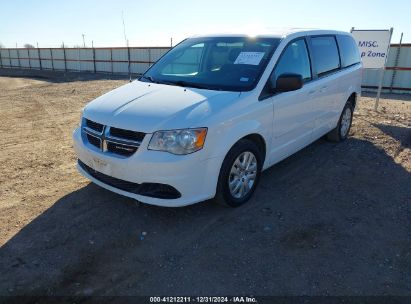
<point x="216" y="63"/>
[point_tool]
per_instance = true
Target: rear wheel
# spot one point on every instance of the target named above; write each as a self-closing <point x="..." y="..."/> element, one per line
<point x="342" y="130"/>
<point x="239" y="174"/>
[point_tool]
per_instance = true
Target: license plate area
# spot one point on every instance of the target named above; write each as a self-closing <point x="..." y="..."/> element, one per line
<point x="100" y="165"/>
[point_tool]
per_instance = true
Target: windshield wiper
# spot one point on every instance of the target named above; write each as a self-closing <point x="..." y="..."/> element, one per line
<point x="182" y="83"/>
<point x="151" y="79"/>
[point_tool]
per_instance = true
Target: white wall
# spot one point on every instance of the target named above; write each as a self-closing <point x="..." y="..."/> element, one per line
<point x="99" y="60"/>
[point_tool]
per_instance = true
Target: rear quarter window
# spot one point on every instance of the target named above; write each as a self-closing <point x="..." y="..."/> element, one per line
<point x="348" y="50"/>
<point x="325" y="54"/>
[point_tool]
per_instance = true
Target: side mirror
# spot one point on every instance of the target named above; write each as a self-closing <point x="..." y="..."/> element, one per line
<point x="287" y="83"/>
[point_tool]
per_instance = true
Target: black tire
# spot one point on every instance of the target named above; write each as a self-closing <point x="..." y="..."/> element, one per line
<point x="223" y="195"/>
<point x="335" y="134"/>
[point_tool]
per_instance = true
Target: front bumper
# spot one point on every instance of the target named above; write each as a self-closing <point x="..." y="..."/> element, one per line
<point x="193" y="176"/>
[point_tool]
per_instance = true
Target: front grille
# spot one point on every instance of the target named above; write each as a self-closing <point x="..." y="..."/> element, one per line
<point x="94" y="125"/>
<point x="154" y="190"/>
<point x="110" y="139"/>
<point x="127" y="134"/>
<point x="95" y="141"/>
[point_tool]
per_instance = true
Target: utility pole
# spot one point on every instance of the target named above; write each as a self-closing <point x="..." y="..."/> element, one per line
<point x="124" y="28"/>
<point x="84" y="42"/>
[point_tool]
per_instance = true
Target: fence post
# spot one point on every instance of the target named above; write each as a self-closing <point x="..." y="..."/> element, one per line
<point x="28" y="54"/>
<point x="129" y="67"/>
<point x="52" y="59"/>
<point x="18" y="58"/>
<point x="78" y="59"/>
<point x="94" y="59"/>
<point x="10" y="59"/>
<point x="38" y="53"/>
<point x="64" y="57"/>
<point x="111" y="60"/>
<point x="397" y="57"/>
<point x="1" y="60"/>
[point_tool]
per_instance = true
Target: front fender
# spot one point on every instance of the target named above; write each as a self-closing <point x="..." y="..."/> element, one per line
<point x="228" y="134"/>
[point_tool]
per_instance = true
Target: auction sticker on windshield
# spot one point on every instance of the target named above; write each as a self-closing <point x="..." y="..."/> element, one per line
<point x="252" y="58"/>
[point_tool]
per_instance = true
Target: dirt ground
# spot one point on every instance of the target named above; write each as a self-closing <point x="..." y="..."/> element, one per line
<point x="334" y="219"/>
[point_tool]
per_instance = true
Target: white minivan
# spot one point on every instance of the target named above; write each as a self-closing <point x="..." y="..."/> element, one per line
<point x="215" y="111"/>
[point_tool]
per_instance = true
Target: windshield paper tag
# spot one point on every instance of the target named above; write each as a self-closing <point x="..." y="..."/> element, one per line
<point x="252" y="58"/>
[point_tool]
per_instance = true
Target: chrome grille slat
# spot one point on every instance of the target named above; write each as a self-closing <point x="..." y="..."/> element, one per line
<point x="102" y="138"/>
<point x="122" y="141"/>
<point x="92" y="132"/>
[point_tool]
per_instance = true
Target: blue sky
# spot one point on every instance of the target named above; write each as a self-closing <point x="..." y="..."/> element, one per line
<point x="153" y="22"/>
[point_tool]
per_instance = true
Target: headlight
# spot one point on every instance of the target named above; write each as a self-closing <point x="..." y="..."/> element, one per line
<point x="183" y="141"/>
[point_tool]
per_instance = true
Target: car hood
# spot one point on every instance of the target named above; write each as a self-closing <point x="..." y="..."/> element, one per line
<point x="148" y="107"/>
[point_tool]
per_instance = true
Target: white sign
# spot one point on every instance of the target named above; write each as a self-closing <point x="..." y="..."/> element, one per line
<point x="373" y="46"/>
<point x="252" y="58"/>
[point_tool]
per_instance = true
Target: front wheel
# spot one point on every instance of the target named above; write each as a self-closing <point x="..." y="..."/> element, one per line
<point x="239" y="174"/>
<point x="340" y="132"/>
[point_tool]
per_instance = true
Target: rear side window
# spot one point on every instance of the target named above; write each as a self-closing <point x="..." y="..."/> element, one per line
<point x="325" y="54"/>
<point x="294" y="60"/>
<point x="349" y="51"/>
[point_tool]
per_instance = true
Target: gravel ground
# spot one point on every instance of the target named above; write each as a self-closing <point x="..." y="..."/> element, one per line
<point x="333" y="219"/>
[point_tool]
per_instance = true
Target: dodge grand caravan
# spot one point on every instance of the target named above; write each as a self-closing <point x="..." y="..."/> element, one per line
<point x="215" y="111"/>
